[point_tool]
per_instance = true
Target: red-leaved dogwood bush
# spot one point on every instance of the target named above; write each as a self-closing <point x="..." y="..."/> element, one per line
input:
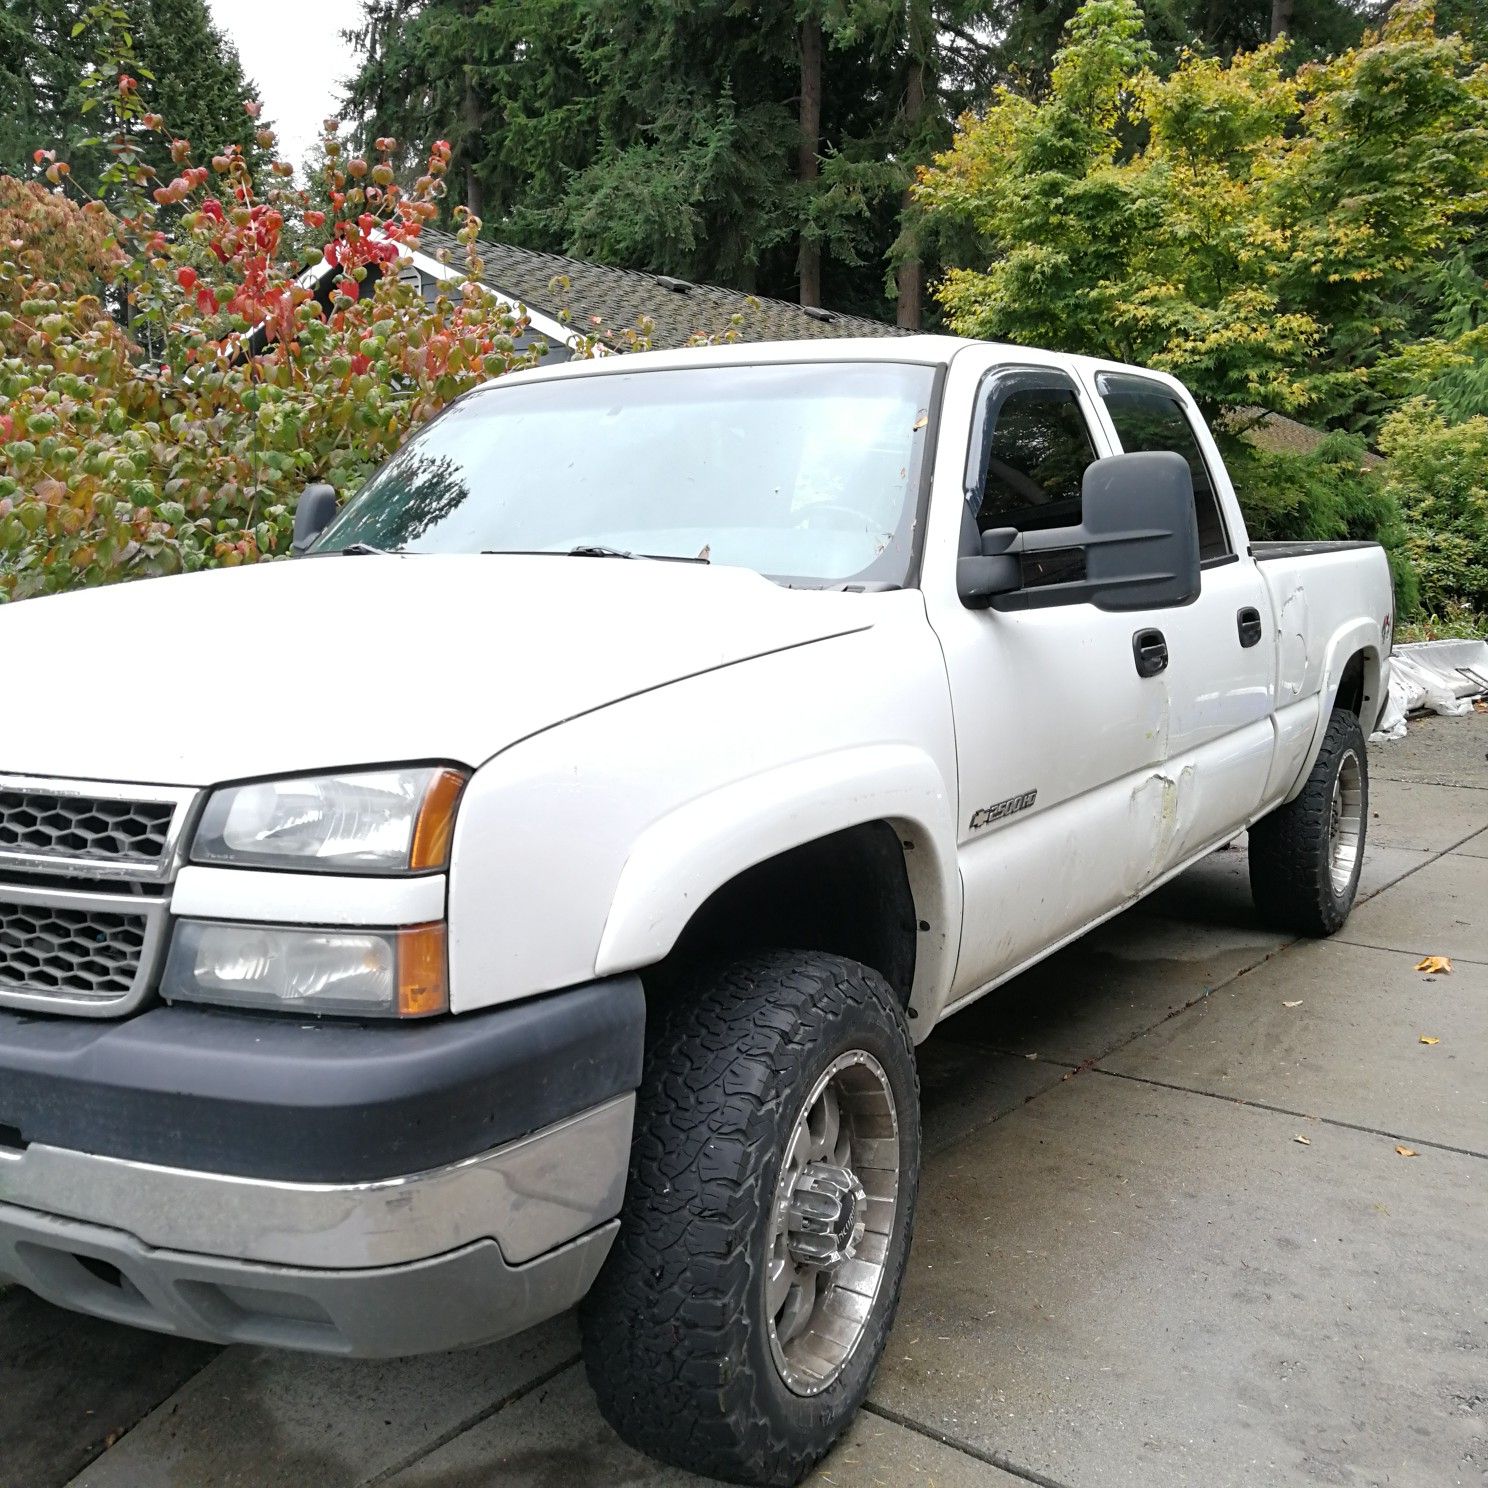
<point x="168" y="381"/>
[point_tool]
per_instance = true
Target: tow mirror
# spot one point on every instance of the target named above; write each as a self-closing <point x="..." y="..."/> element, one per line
<point x="1139" y="538"/>
<point x="317" y="506"/>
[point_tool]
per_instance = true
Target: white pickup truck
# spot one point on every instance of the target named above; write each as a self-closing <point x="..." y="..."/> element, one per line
<point x="536" y="892"/>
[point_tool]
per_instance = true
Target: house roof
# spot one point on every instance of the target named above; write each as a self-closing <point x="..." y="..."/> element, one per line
<point x="604" y="301"/>
<point x="1276" y="434"/>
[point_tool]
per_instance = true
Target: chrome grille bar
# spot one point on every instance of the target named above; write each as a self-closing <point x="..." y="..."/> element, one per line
<point x="92" y="828"/>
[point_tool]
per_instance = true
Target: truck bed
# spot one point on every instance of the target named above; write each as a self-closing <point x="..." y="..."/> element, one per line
<point x="1262" y="551"/>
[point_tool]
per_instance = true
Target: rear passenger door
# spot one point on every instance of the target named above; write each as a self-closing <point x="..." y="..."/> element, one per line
<point x="1218" y="735"/>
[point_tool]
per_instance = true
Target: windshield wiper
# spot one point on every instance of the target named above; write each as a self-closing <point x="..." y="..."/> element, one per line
<point x="591" y="550"/>
<point x="599" y="550"/>
<point x="361" y="549"/>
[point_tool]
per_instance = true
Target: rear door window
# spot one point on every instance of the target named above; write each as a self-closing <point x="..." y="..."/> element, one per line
<point x="1148" y="417"/>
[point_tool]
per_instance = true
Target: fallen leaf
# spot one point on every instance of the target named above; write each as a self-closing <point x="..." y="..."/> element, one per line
<point x="1407" y="1152"/>
<point x="1433" y="964"/>
<point x="1430" y="1038"/>
<point x="1305" y="1141"/>
<point x="1298" y="1003"/>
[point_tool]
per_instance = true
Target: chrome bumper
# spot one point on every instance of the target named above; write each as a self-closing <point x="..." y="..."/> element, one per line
<point x="451" y="1257"/>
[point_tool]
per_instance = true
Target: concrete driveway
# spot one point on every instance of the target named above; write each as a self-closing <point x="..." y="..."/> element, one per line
<point x="1168" y="1236"/>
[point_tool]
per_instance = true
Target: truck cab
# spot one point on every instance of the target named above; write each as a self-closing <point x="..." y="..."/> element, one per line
<point x="534" y="893"/>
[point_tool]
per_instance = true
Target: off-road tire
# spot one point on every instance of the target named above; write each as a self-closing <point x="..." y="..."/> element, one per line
<point x="1290" y="853"/>
<point x="676" y="1343"/>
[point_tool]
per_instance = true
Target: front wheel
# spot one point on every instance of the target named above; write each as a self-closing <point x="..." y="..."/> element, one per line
<point x="738" y="1320"/>
<point x="1305" y="856"/>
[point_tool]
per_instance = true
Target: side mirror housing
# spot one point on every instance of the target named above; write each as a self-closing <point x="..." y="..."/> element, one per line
<point x="984" y="577"/>
<point x="1139" y="536"/>
<point x="317" y="506"/>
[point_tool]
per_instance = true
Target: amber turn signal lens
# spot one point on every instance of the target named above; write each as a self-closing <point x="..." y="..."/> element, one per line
<point x="435" y="828"/>
<point x="423" y="972"/>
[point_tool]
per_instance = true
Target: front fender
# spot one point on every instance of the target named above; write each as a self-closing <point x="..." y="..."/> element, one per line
<point x="591" y="843"/>
<point x="690" y="853"/>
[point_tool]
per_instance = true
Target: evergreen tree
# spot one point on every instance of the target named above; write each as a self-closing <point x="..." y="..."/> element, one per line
<point x="770" y="145"/>
<point x="199" y="84"/>
<point x="187" y="72"/>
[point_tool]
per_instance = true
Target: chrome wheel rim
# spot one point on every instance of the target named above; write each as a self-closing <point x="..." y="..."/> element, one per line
<point x="1345" y="823"/>
<point x="832" y="1222"/>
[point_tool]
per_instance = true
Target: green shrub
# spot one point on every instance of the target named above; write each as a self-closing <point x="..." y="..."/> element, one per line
<point x="1437" y="472"/>
<point x="1332" y="493"/>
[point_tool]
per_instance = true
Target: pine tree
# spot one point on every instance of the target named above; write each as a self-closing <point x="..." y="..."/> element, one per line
<point x="199" y="84"/>
<point x="188" y="72"/>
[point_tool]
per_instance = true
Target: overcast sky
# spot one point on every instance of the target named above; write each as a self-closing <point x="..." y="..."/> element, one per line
<point x="293" y="52"/>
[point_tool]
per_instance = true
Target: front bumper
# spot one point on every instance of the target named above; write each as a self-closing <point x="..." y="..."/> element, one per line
<point x="310" y="1195"/>
<point x="470" y="1293"/>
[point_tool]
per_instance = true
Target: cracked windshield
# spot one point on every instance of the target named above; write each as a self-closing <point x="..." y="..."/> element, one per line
<point x="806" y="472"/>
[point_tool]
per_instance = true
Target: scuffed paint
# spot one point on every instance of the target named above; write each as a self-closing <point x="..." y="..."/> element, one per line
<point x="1162" y="728"/>
<point x="1293" y="627"/>
<point x="1167" y="819"/>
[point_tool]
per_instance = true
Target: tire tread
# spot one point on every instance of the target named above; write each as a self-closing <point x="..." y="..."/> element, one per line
<point x="662" y="1327"/>
<point x="1289" y="878"/>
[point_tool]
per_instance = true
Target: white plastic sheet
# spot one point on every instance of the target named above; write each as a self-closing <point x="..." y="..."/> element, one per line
<point x="1434" y="676"/>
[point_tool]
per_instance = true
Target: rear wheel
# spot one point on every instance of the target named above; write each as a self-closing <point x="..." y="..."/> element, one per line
<point x="737" y="1322"/>
<point x="1305" y="856"/>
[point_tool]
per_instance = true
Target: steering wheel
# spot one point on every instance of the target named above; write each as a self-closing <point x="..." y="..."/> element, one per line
<point x="847" y="517"/>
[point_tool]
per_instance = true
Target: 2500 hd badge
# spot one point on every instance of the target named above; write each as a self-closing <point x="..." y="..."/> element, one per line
<point x="1014" y="804"/>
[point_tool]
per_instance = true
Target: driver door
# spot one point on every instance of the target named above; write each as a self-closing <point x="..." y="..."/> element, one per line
<point x="1060" y="739"/>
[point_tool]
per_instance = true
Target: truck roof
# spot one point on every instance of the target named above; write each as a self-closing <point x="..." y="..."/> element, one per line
<point x="933" y="350"/>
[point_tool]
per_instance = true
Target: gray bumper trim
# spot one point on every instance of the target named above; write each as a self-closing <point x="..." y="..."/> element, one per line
<point x="466" y="1297"/>
<point x="529" y="1196"/>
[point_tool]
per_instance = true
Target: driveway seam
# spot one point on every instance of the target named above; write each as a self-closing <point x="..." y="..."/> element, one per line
<point x="468" y="1424"/>
<point x="999" y="1460"/>
<point x="1240" y="1100"/>
<point x="1411" y="780"/>
<point x="1369" y="945"/>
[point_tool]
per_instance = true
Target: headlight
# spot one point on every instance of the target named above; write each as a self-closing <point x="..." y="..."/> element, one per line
<point x="369" y="821"/>
<point x="376" y="973"/>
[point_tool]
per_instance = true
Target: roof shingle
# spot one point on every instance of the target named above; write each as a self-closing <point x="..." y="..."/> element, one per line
<point x="604" y="301"/>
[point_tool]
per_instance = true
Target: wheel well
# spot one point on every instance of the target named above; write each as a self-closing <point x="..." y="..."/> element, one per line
<point x="1350" y="695"/>
<point x="847" y="893"/>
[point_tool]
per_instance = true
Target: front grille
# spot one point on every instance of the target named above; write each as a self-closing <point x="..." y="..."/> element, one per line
<point x="86" y="868"/>
<point x="87" y="951"/>
<point x="87" y="828"/>
<point x="91" y="829"/>
<point x="89" y="955"/>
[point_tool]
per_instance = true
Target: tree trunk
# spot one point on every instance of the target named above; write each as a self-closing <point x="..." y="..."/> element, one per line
<point x="910" y="275"/>
<point x="470" y="118"/>
<point x="1211" y="22"/>
<point x="808" y="166"/>
<point x="1281" y="17"/>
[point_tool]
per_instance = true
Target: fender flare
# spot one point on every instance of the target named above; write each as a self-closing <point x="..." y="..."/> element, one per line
<point x="684" y="857"/>
<point x="1347" y="642"/>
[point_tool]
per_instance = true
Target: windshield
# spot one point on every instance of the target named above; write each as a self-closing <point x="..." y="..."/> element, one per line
<point x="805" y="472"/>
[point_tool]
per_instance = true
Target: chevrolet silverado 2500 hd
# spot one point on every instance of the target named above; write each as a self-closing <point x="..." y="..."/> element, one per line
<point x="655" y="750"/>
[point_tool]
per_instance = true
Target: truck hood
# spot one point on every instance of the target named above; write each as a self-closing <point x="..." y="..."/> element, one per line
<point x="339" y="661"/>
